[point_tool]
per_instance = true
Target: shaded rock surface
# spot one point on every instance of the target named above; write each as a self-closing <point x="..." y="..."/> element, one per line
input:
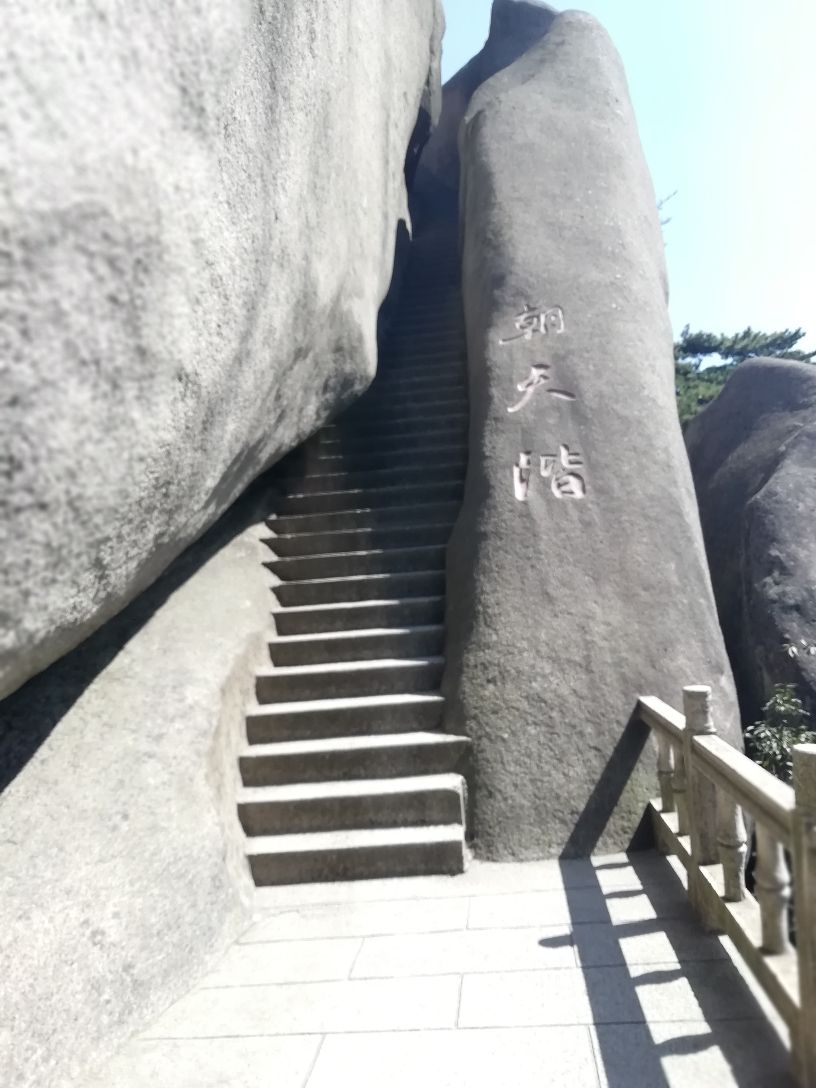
<point x="198" y="219"/>
<point x="753" y="456"/>
<point x="122" y="870"/>
<point x="514" y="26"/>
<point x="566" y="606"/>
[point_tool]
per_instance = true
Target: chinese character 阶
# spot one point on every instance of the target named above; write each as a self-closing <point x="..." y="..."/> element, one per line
<point x="560" y="470"/>
<point x="522" y="470"/>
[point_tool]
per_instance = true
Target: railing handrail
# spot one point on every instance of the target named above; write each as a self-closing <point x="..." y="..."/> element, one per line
<point x="751" y="786"/>
<point x="770" y="801"/>
<point x="705" y="784"/>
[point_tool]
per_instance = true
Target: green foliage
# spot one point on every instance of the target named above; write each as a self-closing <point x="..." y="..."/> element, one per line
<point x="785" y="723"/>
<point x="693" y="347"/>
<point x="697" y="386"/>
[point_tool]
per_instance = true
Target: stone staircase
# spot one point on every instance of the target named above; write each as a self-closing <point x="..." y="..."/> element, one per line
<point x="346" y="774"/>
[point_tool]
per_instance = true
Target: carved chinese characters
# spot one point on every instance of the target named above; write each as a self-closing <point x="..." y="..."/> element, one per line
<point x="564" y="470"/>
<point x="535" y="319"/>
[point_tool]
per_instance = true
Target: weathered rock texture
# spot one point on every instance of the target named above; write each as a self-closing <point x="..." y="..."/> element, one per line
<point x="198" y="219"/>
<point x="753" y="456"/>
<point x="121" y="862"/>
<point x="563" y="610"/>
<point x="514" y="26"/>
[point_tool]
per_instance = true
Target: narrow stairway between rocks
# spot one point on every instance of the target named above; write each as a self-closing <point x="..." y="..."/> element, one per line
<point x="347" y="774"/>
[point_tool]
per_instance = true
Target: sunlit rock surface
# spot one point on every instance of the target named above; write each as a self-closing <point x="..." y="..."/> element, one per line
<point x="577" y="575"/>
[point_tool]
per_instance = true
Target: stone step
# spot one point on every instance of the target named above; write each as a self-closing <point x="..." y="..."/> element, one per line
<point x="374" y="444"/>
<point x="408" y="425"/>
<point x="428" y="455"/>
<point x="443" y="332"/>
<point x="419" y="801"/>
<point x="446" y="330"/>
<point x="365" y="518"/>
<point x="394" y="393"/>
<point x="412" y="417"/>
<point x="405" y="323"/>
<point x="380" y="408"/>
<point x="359" y="616"/>
<point x="428" y="378"/>
<point x="374" y="476"/>
<point x="304" y="568"/>
<point x="407" y="447"/>
<point x="316" y="502"/>
<point x="357" y="645"/>
<point x="364" y="587"/>
<point x="359" y="540"/>
<point x="430" y="288"/>
<point x="449" y="309"/>
<point x="408" y="362"/>
<point x="356" y="855"/>
<point x="364" y="715"/>
<point x="389" y="755"/>
<point x="385" y="676"/>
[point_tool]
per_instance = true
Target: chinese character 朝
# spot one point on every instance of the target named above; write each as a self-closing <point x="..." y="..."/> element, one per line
<point x="537" y="319"/>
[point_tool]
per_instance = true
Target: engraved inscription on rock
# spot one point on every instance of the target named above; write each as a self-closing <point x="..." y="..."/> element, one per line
<point x="565" y="470"/>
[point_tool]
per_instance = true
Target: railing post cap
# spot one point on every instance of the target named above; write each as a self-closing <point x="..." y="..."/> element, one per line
<point x="804" y="774"/>
<point x="697" y="708"/>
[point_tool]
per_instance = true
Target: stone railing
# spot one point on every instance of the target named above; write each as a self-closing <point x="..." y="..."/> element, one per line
<point x="706" y="786"/>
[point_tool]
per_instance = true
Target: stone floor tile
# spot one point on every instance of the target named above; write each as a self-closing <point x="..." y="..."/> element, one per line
<point x="691" y="991"/>
<point x="213" y="1063"/>
<point x="465" y="952"/>
<point x="637" y="870"/>
<point x="313" y="1008"/>
<point x="359" y="919"/>
<point x="522" y="1058"/>
<point x="480" y="878"/>
<point x="565" y="996"/>
<point x="729" y="1054"/>
<point x="658" y="940"/>
<point x="649" y="901"/>
<point x="285" y="961"/>
<point x="548" y="908"/>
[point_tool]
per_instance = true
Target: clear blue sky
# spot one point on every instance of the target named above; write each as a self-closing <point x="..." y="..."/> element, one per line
<point x="725" y="96"/>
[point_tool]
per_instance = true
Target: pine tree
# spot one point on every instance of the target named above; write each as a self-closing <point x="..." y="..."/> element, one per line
<point x="697" y="385"/>
<point x="693" y="347"/>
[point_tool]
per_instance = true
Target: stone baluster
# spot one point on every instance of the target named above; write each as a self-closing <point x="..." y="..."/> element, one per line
<point x="733" y="843"/>
<point x="665" y="772"/>
<point x="701" y="799"/>
<point x="701" y="795"/>
<point x="804" y="869"/>
<point x="679" y="791"/>
<point x="773" y="891"/>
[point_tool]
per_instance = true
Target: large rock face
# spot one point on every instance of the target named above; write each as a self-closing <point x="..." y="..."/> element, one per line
<point x="121" y="862"/>
<point x="514" y="26"/>
<point x="753" y="455"/>
<point x="198" y="219"/>
<point x="577" y="575"/>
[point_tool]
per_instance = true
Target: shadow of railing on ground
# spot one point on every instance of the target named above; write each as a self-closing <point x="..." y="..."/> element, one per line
<point x="704" y="1005"/>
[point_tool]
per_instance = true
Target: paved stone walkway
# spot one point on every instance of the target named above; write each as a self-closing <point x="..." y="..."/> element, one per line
<point x="583" y="974"/>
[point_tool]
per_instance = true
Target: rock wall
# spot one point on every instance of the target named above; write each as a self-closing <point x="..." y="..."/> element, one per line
<point x="122" y="872"/>
<point x="753" y="452"/>
<point x="577" y="574"/>
<point x="514" y="26"/>
<point x="198" y="216"/>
